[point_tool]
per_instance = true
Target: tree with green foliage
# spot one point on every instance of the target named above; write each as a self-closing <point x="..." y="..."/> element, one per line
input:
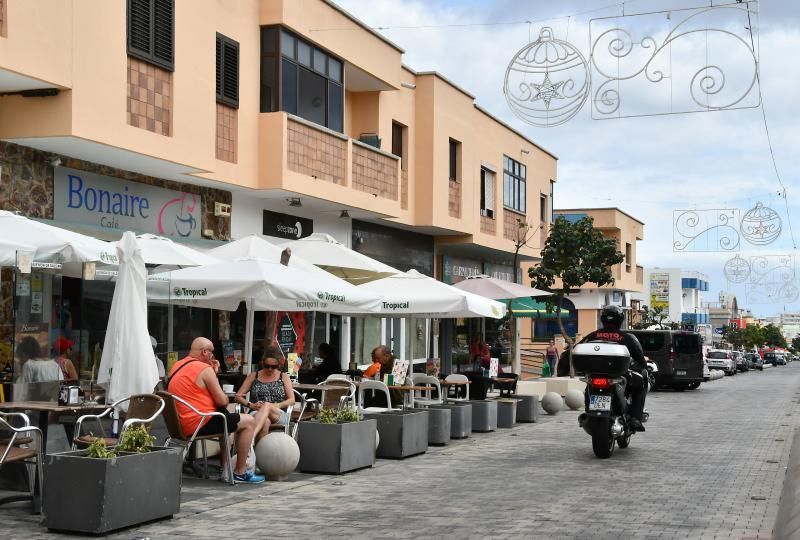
<point x="796" y="343"/>
<point x="734" y="336"/>
<point x="573" y="254"/>
<point x="652" y="317"/>
<point x="773" y="336"/>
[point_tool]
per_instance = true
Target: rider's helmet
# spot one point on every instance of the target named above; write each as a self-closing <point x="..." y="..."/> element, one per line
<point x="612" y="317"/>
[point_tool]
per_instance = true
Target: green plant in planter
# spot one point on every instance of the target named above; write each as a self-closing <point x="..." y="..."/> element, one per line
<point x="327" y="416"/>
<point x="348" y="414"/>
<point x="136" y="439"/>
<point x="98" y="450"/>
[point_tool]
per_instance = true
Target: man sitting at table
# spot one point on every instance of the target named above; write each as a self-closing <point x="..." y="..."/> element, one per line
<point x="380" y="356"/>
<point x="194" y="380"/>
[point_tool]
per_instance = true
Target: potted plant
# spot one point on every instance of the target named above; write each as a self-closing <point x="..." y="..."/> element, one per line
<point x="336" y="442"/>
<point x="402" y="433"/>
<point x="101" y="489"/>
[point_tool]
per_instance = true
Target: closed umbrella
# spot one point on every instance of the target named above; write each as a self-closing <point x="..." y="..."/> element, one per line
<point x="51" y="244"/>
<point x="332" y="256"/>
<point x="127" y="366"/>
<point x="412" y="293"/>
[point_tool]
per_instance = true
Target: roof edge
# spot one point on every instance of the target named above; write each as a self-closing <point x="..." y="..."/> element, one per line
<point x="365" y="26"/>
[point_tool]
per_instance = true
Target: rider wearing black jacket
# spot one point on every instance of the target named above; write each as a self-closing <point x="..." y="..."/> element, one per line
<point x="612" y="318"/>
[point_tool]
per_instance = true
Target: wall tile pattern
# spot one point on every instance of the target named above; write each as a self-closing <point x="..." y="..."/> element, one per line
<point x="149" y="97"/>
<point x="315" y="153"/>
<point x="227" y="133"/>
<point x="454" y="200"/>
<point x="488" y="225"/>
<point x="3" y="18"/>
<point x="375" y="173"/>
<point x="404" y="190"/>
<point x="510" y="226"/>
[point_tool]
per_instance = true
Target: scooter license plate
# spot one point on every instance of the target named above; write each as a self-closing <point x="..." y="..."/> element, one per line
<point x="599" y="403"/>
<point x="681" y="372"/>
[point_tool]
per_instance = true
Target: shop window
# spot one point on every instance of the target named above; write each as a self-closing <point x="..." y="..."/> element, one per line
<point x="227" y="71"/>
<point x="151" y="32"/>
<point x="301" y="79"/>
<point x="514" y="190"/>
<point x="544" y="327"/>
<point x="454" y="148"/>
<point x="487" y="192"/>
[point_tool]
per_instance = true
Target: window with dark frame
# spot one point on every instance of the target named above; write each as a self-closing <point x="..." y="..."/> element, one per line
<point x="301" y="79"/>
<point x="542" y="208"/>
<point x="227" y="71"/>
<point x="454" y="151"/>
<point x="151" y="32"/>
<point x="398" y="143"/>
<point x="487" y="192"/>
<point x="628" y="255"/>
<point x="514" y="190"/>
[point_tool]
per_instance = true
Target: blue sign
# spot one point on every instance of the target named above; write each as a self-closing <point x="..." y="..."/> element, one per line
<point x="718" y="330"/>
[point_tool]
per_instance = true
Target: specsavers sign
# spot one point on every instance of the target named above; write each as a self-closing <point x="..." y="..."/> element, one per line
<point x="103" y="201"/>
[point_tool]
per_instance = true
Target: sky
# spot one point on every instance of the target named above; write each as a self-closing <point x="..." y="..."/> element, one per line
<point x="648" y="166"/>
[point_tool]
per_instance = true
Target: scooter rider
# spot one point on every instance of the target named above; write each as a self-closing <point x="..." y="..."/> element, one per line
<point x="612" y="318"/>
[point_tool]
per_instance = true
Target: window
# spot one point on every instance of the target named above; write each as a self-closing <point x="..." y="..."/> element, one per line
<point x="514" y="193"/>
<point x="543" y="208"/>
<point x="399" y="143"/>
<point x="301" y="79"/>
<point x="151" y="31"/>
<point x="227" y="71"/>
<point x="628" y="255"/>
<point x="487" y="192"/>
<point x="455" y="157"/>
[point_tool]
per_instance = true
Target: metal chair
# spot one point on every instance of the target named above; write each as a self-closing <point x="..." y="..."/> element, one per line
<point x="172" y="421"/>
<point x="17" y="448"/>
<point x="295" y="416"/>
<point x="142" y="409"/>
<point x="336" y="377"/>
<point x="453" y="392"/>
<point x="375" y="386"/>
<point x="424" y="398"/>
<point x="338" y="398"/>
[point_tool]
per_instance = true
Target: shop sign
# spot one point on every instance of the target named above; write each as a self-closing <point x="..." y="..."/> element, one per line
<point x="499" y="271"/>
<point x="455" y="269"/>
<point x="112" y="203"/>
<point x="286" y="335"/>
<point x="286" y="226"/>
<point x="659" y="291"/>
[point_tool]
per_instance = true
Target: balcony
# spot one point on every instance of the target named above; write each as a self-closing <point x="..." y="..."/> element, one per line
<point x="301" y="157"/>
<point x="639" y="275"/>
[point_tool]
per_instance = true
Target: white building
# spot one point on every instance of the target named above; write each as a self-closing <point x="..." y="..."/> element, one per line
<point x="680" y="294"/>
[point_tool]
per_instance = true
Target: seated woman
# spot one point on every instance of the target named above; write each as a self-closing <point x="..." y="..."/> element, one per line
<point x="270" y="393"/>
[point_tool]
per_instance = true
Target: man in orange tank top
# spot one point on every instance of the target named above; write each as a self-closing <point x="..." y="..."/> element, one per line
<point x="194" y="380"/>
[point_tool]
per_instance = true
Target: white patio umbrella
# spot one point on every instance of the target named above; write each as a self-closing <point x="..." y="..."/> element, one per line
<point x="412" y="293"/>
<point x="263" y="286"/>
<point x="326" y="252"/>
<point x="255" y="246"/>
<point x="9" y="249"/>
<point x="159" y="250"/>
<point x="127" y="366"/>
<point x="497" y="289"/>
<point x="49" y="242"/>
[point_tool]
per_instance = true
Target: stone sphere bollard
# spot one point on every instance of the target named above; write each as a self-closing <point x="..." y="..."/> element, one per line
<point x="277" y="455"/>
<point x="574" y="399"/>
<point x="552" y="403"/>
<point x="377" y="439"/>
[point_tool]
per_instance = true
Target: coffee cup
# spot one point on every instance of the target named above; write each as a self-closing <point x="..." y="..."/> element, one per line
<point x="227" y="388"/>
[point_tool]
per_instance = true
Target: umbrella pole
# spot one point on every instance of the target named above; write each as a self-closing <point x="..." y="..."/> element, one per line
<point x="248" y="338"/>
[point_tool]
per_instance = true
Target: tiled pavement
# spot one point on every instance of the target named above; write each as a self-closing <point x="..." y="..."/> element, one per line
<point x="711" y="465"/>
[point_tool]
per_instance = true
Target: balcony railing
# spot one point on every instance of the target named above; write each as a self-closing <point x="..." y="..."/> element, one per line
<point x="330" y="156"/>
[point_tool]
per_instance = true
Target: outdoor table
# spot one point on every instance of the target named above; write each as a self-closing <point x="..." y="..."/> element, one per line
<point x="44" y="408"/>
<point x="446" y="384"/>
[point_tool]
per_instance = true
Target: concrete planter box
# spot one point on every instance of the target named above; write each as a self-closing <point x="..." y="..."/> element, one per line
<point x="561" y="385"/>
<point x="506" y="412"/>
<point x="402" y="433"/>
<point x="438" y="426"/>
<point x="336" y="448"/>
<point x="460" y="419"/>
<point x="89" y="495"/>
<point x="484" y="415"/>
<point x="527" y="408"/>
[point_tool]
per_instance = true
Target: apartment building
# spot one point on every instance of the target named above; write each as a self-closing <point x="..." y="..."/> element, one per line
<point x="271" y="117"/>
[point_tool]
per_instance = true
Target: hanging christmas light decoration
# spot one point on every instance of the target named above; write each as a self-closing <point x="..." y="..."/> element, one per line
<point x="761" y="225"/>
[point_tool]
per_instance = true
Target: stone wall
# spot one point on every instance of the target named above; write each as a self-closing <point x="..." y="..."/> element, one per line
<point x="375" y="173"/>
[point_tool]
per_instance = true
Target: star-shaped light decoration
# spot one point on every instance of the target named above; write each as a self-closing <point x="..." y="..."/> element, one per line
<point x="547" y="91"/>
<point x="761" y="230"/>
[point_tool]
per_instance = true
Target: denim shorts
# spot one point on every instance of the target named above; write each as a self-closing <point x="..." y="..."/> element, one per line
<point x="282" y="420"/>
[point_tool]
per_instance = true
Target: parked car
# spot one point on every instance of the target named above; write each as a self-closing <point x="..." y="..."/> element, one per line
<point x="721" y="359"/>
<point x="755" y="361"/>
<point x="742" y="362"/>
<point x="775" y="358"/>
<point x="706" y="371"/>
<point x="678" y="355"/>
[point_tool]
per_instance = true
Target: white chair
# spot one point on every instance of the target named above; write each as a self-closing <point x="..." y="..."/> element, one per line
<point x="375" y="386"/>
<point x="454" y="390"/>
<point x="336" y="377"/>
<point x="23" y="446"/>
<point x="424" y="398"/>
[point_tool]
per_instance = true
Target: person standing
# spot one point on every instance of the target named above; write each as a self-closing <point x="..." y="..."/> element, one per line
<point x="551" y="355"/>
<point x="63" y="349"/>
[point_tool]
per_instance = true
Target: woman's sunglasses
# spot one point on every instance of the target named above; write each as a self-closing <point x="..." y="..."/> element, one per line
<point x="270" y="366"/>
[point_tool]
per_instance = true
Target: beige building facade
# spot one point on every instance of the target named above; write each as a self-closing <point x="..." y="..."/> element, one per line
<point x="254" y="113"/>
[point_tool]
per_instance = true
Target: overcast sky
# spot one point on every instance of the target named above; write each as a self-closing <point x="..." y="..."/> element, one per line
<point x="647" y="166"/>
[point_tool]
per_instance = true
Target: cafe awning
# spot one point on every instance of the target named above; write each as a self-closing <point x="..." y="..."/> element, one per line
<point x="536" y="309"/>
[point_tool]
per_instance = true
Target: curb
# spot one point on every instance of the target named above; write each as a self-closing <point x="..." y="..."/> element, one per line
<point x="787" y="522"/>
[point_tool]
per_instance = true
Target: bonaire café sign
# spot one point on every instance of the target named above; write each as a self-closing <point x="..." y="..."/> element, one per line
<point x="112" y="203"/>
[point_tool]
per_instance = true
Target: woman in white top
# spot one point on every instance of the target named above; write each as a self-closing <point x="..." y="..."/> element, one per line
<point x="34" y="367"/>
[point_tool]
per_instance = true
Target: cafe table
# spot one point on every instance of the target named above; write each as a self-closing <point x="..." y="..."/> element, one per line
<point x="448" y="384"/>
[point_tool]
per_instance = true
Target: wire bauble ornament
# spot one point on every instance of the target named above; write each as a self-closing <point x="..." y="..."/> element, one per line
<point x="737" y="270"/>
<point x="547" y="81"/>
<point x="761" y="225"/>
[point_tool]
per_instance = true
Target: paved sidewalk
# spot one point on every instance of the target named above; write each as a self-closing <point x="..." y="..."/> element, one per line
<point x="711" y="465"/>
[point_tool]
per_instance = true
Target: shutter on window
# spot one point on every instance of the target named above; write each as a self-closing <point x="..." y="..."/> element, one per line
<point x="488" y="190"/>
<point x="231" y="85"/>
<point x="139" y="22"/>
<point x="219" y="66"/>
<point x="164" y="32"/>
